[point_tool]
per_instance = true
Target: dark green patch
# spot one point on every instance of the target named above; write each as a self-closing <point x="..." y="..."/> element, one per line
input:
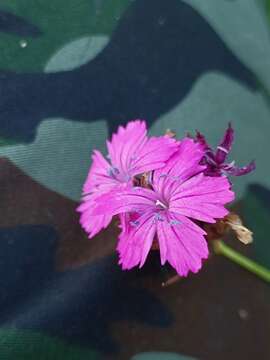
<point x="6" y="142"/>
<point x="267" y="4"/>
<point x="18" y="344"/>
<point x="256" y="211"/>
<point x="60" y="22"/>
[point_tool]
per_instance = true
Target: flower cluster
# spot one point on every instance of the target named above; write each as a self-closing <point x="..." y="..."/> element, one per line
<point x="161" y="189"/>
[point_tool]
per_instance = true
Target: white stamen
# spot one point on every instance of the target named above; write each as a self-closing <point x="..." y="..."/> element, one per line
<point x="223" y="149"/>
<point x="159" y="203"/>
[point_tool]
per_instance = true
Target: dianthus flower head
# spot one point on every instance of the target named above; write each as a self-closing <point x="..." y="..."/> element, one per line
<point x="178" y="196"/>
<point x="130" y="153"/>
<point x="215" y="160"/>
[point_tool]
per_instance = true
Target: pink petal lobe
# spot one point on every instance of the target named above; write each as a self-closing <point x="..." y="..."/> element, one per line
<point x="202" y="198"/>
<point x="92" y="224"/>
<point x="133" y="153"/>
<point x="125" y="143"/>
<point x="98" y="173"/>
<point x="98" y="183"/>
<point x="181" y="244"/>
<point x="183" y="164"/>
<point x="153" y="154"/>
<point x="135" y="244"/>
<point x="135" y="199"/>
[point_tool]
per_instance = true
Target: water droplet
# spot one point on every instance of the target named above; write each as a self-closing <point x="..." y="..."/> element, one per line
<point x="23" y="43"/>
<point x="243" y="314"/>
<point x="161" y="21"/>
<point x="154" y="91"/>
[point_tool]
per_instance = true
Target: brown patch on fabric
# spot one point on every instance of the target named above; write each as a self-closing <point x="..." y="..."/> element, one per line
<point x="25" y="201"/>
<point x="207" y="310"/>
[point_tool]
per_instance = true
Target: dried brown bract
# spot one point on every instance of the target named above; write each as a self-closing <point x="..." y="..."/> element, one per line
<point x="231" y="222"/>
<point x="170" y="133"/>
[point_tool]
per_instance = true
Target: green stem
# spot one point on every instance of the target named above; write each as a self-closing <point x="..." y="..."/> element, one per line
<point x="252" y="266"/>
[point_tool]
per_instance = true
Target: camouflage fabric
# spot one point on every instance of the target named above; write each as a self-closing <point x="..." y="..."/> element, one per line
<point x="71" y="72"/>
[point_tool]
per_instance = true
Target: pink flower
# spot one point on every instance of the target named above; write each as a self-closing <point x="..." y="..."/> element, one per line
<point x="180" y="192"/>
<point x="131" y="153"/>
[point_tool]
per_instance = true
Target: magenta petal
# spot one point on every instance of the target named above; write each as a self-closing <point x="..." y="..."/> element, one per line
<point x="92" y="224"/>
<point x="238" y="171"/>
<point x="181" y="166"/>
<point x="202" y="198"/>
<point x="152" y="155"/>
<point x="209" y="189"/>
<point x="201" y="211"/>
<point x="98" y="182"/>
<point x="125" y="143"/>
<point x="132" y="153"/>
<point x="135" y="199"/>
<point x="184" y="163"/>
<point x="135" y="245"/>
<point x="127" y="223"/>
<point x="98" y="173"/>
<point x="225" y="146"/>
<point x="182" y="245"/>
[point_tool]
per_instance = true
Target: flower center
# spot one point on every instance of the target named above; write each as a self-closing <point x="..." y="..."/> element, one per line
<point x="161" y="206"/>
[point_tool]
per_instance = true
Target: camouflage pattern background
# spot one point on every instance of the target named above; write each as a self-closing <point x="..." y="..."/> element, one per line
<point x="71" y="72"/>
